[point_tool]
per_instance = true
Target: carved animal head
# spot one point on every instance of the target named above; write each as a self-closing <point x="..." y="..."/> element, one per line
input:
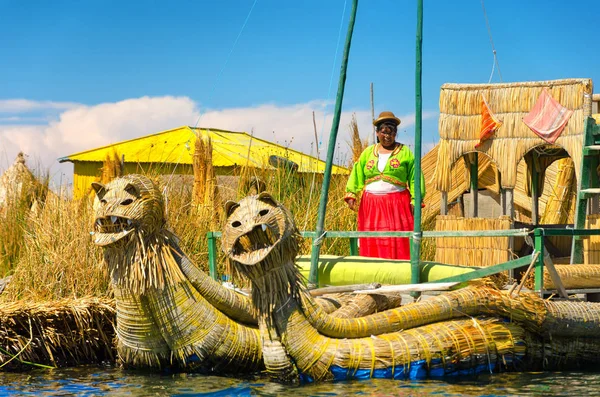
<point x="129" y="204"/>
<point x="261" y="242"/>
<point x="255" y="227"/>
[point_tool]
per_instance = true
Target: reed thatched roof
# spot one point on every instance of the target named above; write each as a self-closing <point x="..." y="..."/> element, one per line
<point x="460" y="121"/>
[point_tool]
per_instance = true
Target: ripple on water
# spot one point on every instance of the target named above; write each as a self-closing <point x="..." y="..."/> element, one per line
<point x="94" y="381"/>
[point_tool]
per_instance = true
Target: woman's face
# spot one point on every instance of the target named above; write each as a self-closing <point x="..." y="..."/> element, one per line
<point x="387" y="134"/>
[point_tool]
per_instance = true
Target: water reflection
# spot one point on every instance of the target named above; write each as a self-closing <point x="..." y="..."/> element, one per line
<point x="94" y="381"/>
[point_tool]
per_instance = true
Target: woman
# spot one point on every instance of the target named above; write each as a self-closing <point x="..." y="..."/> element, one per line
<point x="385" y="174"/>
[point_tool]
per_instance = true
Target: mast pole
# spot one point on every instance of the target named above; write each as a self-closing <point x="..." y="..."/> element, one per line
<point x="415" y="254"/>
<point x="373" y="115"/>
<point x="313" y="277"/>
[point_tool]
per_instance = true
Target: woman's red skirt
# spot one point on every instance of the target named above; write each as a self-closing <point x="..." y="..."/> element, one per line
<point x="385" y="212"/>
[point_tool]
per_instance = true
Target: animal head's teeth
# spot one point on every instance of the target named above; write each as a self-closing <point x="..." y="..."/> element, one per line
<point x="113" y="219"/>
<point x="129" y="222"/>
<point x="264" y="227"/>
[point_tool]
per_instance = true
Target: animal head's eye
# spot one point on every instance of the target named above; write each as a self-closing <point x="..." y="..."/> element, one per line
<point x="126" y="202"/>
<point x="132" y="189"/>
<point x="236" y="223"/>
<point x="263" y="212"/>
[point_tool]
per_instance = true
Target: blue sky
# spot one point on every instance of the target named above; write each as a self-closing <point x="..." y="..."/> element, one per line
<point x="75" y="75"/>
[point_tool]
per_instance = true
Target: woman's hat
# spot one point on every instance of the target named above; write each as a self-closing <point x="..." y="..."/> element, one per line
<point x="386" y="116"/>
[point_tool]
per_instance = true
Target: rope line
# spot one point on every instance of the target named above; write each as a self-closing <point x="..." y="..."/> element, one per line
<point x="337" y="48"/>
<point x="489" y="29"/>
<point x="213" y="89"/>
<point x="193" y="134"/>
<point x="319" y="140"/>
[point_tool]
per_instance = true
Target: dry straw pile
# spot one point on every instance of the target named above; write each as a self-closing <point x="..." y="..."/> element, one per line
<point x="59" y="333"/>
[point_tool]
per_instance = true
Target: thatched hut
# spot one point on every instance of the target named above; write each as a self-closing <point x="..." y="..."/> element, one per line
<point x="512" y="162"/>
<point x="460" y="123"/>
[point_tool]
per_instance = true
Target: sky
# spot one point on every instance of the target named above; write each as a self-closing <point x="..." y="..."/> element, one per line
<point x="76" y="75"/>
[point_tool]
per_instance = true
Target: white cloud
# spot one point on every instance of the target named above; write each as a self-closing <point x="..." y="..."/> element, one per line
<point x="26" y="105"/>
<point x="78" y="128"/>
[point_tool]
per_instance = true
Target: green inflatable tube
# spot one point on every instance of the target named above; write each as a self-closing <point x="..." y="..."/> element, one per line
<point x="347" y="270"/>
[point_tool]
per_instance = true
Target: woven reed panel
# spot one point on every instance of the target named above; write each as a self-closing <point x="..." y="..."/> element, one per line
<point x="591" y="245"/>
<point x="460" y="121"/>
<point x="472" y="251"/>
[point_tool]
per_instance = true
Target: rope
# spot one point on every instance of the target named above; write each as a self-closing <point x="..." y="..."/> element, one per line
<point x="227" y="59"/>
<point x="489" y="29"/>
<point x="319" y="240"/>
<point x="319" y="140"/>
<point x="337" y="47"/>
<point x="212" y="91"/>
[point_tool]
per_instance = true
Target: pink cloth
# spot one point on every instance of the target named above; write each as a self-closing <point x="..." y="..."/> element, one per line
<point x="548" y="118"/>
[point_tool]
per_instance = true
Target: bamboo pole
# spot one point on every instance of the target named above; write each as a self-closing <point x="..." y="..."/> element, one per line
<point x="415" y="251"/>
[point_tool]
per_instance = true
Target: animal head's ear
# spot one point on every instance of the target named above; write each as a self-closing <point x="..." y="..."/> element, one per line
<point x="230" y="206"/>
<point x="267" y="198"/>
<point x="132" y="189"/>
<point x="100" y="189"/>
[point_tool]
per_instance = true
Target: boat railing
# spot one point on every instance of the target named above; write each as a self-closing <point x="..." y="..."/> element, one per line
<point x="537" y="260"/>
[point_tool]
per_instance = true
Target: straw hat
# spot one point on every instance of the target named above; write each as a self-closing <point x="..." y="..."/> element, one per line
<point x="386" y="116"/>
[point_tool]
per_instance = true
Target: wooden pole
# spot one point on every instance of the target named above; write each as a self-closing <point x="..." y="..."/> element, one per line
<point x="373" y="115"/>
<point x="534" y="190"/>
<point x="510" y="203"/>
<point x="474" y="170"/>
<point x="444" y="203"/>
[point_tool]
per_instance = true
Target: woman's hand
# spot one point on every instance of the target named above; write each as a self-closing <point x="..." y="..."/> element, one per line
<point x="351" y="204"/>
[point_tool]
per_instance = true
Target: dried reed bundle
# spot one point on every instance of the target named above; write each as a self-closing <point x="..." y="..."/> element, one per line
<point x="204" y="192"/>
<point x="441" y="349"/>
<point x="17" y="184"/>
<point x="112" y="167"/>
<point x="558" y="353"/>
<point x="357" y="145"/>
<point x="572" y="277"/>
<point x="560" y="205"/>
<point x="365" y="304"/>
<point x="60" y="333"/>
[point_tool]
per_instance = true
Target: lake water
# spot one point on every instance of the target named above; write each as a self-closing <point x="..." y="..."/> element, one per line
<point x="94" y="381"/>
